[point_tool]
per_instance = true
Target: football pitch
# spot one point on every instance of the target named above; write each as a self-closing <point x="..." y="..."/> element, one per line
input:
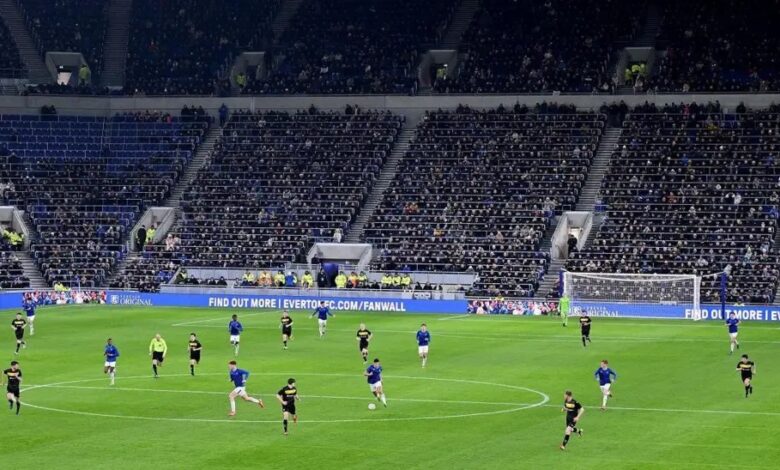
<point x="490" y="396"/>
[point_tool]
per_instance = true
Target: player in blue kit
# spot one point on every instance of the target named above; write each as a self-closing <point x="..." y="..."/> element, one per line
<point x="374" y="374"/>
<point x="235" y="328"/>
<point x="239" y="378"/>
<point x="322" y="313"/>
<point x="29" y="310"/>
<point x="111" y="353"/>
<point x="423" y="340"/>
<point x="732" y="322"/>
<point x="605" y="376"/>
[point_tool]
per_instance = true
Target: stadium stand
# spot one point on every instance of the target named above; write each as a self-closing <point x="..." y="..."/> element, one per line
<point x="691" y="189"/>
<point x="84" y="181"/>
<point x="477" y="189"/>
<point x="355" y="46"/>
<point x="188" y="47"/>
<point x="707" y="50"/>
<point x="276" y="183"/>
<point x="528" y="46"/>
<point x="10" y="63"/>
<point x="66" y="26"/>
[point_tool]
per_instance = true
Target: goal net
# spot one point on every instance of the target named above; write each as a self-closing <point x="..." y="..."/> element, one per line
<point x="645" y="295"/>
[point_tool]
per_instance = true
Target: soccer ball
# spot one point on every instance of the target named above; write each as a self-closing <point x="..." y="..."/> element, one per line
<point x="371" y="406"/>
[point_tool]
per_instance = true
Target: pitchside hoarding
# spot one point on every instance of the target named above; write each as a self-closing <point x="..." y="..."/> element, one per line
<point x="13" y="300"/>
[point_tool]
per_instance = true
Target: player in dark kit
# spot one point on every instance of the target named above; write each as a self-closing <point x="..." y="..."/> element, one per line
<point x="194" y="347"/>
<point x="747" y="368"/>
<point x="18" y="324"/>
<point x="287" y="324"/>
<point x="574" y="412"/>
<point x="585" y="329"/>
<point x="363" y="337"/>
<point x="14" y="376"/>
<point x="287" y="396"/>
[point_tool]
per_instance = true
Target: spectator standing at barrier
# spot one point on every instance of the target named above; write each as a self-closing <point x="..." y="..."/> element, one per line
<point x="279" y="279"/>
<point x="85" y="75"/>
<point x="150" y="235"/>
<point x="264" y="279"/>
<point x="140" y="237"/>
<point x="353" y="280"/>
<point x="337" y="235"/>
<point x="223" y="115"/>
<point x="322" y="279"/>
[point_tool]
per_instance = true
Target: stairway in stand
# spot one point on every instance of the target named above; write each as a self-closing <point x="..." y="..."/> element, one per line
<point x="116" y="42"/>
<point x="598" y="168"/>
<point x="386" y="176"/>
<point x="199" y="161"/>
<point x="283" y="17"/>
<point x="28" y="49"/>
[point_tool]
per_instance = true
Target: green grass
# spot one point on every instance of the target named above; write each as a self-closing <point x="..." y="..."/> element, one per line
<point x="678" y="401"/>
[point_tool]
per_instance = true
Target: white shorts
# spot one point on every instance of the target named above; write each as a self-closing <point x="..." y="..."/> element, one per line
<point x="605" y="388"/>
<point x="235" y="338"/>
<point x="422" y="349"/>
<point x="375" y="386"/>
<point x="733" y="335"/>
<point x="110" y="364"/>
<point x="239" y="391"/>
<point x="323" y="322"/>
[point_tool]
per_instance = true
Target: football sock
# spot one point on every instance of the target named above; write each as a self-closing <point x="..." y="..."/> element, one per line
<point x="253" y="400"/>
<point x="18" y="406"/>
<point x="285" y="343"/>
<point x="425" y="360"/>
<point x="232" y="405"/>
<point x="604" y="400"/>
<point x="32" y="329"/>
<point x="384" y="400"/>
<point x="111" y="374"/>
<point x="747" y="390"/>
<point x="154" y="368"/>
<point x="574" y="429"/>
<point x="17" y="347"/>
<point x="285" y="425"/>
<point x="10" y="404"/>
<point x="751" y="388"/>
<point x="583" y="341"/>
<point x="565" y="440"/>
<point x="192" y="369"/>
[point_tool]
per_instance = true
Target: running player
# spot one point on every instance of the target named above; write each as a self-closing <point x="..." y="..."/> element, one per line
<point x="287" y="324"/>
<point x="239" y="378"/>
<point x="374" y="374"/>
<point x="194" y="347"/>
<point x="585" y="329"/>
<point x="364" y="337"/>
<point x="605" y="376"/>
<point x="322" y="313"/>
<point x="747" y="368"/>
<point x="18" y="324"/>
<point x="29" y="310"/>
<point x="158" y="349"/>
<point x="287" y="396"/>
<point x="423" y="340"/>
<point x="574" y="412"/>
<point x="13" y="392"/>
<point x="111" y="353"/>
<point x="732" y="322"/>
<point x="235" y="328"/>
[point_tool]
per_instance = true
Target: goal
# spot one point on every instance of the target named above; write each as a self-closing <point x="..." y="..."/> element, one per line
<point x="637" y="295"/>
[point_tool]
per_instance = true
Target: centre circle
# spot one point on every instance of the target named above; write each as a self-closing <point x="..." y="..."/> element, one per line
<point x="520" y="406"/>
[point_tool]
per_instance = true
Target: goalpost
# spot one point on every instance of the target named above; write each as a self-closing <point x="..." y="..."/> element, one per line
<point x="647" y="295"/>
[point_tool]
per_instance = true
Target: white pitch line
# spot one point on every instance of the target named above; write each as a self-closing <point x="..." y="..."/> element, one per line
<point x="328" y="397"/>
<point x="515" y="337"/>
<point x="207" y="320"/>
<point x="456" y="317"/>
